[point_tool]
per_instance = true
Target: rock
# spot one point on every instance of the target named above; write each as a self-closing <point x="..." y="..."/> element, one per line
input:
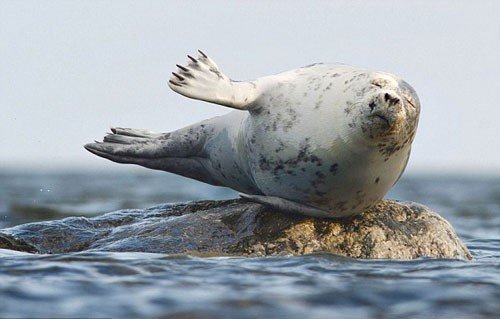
<point x="402" y="230"/>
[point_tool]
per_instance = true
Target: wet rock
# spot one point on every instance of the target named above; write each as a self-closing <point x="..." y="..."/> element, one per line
<point x="403" y="230"/>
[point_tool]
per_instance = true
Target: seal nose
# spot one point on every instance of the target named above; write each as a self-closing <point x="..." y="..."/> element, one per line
<point x="390" y="99"/>
<point x="387" y="99"/>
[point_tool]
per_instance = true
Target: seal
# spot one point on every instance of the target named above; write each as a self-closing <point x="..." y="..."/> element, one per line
<point x="326" y="140"/>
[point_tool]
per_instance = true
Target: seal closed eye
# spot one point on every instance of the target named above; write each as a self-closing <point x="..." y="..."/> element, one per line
<point x="325" y="140"/>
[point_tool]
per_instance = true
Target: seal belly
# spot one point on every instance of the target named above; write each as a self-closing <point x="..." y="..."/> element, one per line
<point x="340" y="183"/>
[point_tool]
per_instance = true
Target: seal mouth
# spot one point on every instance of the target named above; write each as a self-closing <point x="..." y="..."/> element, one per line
<point x="384" y="119"/>
<point x="383" y="124"/>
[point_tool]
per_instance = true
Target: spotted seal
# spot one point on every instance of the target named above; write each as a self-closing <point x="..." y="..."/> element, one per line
<point x="324" y="140"/>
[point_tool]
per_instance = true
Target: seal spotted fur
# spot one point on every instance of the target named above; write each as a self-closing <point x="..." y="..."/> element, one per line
<point x="325" y="140"/>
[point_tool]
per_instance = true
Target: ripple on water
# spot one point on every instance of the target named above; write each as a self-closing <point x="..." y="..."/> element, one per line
<point x="153" y="285"/>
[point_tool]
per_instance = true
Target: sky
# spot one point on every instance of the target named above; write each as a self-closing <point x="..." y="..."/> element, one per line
<point x="70" y="70"/>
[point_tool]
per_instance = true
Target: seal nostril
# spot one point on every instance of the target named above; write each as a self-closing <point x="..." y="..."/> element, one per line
<point x="390" y="99"/>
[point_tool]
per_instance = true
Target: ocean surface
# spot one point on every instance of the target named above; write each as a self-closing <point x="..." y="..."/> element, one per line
<point x="144" y="285"/>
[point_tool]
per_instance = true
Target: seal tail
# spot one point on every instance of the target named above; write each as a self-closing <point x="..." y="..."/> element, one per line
<point x="171" y="152"/>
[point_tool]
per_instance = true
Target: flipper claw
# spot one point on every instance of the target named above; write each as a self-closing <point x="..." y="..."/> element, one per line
<point x="178" y="76"/>
<point x="174" y="83"/>
<point x="203" y="54"/>
<point x="182" y="68"/>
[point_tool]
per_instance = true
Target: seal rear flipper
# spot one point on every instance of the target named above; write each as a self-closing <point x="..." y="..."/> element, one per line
<point x="173" y="152"/>
<point x="201" y="79"/>
<point x="286" y="205"/>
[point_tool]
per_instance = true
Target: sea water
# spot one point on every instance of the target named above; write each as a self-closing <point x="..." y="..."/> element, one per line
<point x="144" y="285"/>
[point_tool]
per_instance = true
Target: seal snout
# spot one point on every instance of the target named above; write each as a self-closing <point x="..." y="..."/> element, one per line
<point x="386" y="108"/>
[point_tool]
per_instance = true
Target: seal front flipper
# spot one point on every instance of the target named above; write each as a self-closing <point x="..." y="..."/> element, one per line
<point x="286" y="205"/>
<point x="201" y="79"/>
<point x="177" y="152"/>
